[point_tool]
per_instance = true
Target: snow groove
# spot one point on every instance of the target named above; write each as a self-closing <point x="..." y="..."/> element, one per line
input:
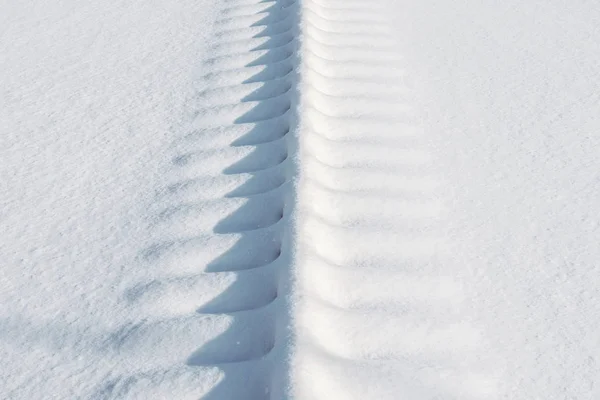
<point x="222" y="255"/>
<point x="372" y="304"/>
<point x="363" y="242"/>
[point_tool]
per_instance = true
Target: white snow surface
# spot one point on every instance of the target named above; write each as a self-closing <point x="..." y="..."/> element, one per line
<point x="299" y="199"/>
<point x="91" y="94"/>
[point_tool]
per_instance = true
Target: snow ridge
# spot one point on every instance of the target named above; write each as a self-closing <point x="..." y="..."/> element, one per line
<point x="375" y="313"/>
<point x="222" y="257"/>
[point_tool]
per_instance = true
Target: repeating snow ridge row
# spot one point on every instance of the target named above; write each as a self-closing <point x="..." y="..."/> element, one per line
<point x="305" y="167"/>
<point x="376" y="316"/>
<point x="221" y="258"/>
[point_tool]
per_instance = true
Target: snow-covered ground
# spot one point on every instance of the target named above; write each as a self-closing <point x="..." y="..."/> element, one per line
<point x="93" y="95"/>
<point x="304" y="199"/>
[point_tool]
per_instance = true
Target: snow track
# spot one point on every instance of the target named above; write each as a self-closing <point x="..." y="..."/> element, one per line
<point x="371" y="300"/>
<point x="221" y="258"/>
<point x="376" y="314"/>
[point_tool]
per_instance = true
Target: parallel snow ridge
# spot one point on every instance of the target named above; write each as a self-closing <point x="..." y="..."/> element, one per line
<point x="220" y="255"/>
<point x="376" y="315"/>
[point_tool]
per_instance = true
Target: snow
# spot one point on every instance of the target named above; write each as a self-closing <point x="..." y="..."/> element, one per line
<point x="511" y="99"/>
<point x="311" y="199"/>
<point x="92" y="95"/>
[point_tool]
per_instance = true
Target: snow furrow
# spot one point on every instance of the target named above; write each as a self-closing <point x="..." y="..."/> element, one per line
<point x="220" y="250"/>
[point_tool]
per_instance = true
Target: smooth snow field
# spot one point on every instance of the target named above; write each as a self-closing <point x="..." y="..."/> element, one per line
<point x="300" y="199"/>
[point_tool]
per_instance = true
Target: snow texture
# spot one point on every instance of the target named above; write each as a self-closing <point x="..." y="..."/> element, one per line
<point x="299" y="199"/>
